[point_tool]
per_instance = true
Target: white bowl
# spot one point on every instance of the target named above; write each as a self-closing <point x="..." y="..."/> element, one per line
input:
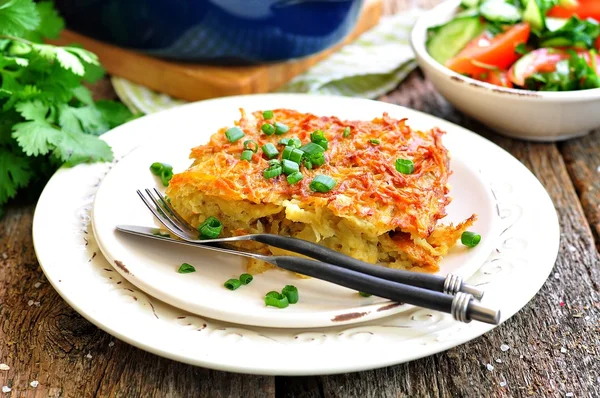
<point x="528" y="115"/>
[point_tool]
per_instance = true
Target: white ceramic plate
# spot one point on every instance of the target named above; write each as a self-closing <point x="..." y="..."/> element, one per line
<point x="152" y="265"/>
<point x="522" y="258"/>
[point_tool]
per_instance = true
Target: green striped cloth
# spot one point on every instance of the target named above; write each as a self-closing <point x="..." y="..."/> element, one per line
<point x="369" y="67"/>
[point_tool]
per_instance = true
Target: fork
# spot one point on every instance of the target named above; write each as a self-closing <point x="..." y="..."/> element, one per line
<point x="350" y="274"/>
<point x="451" y="284"/>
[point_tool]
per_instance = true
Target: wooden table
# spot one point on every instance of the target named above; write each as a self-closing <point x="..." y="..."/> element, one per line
<point x="554" y="341"/>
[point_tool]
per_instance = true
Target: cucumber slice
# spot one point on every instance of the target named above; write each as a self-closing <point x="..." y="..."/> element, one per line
<point x="534" y="16"/>
<point x="499" y="11"/>
<point x="452" y="37"/>
<point x="554" y="24"/>
<point x="469" y="3"/>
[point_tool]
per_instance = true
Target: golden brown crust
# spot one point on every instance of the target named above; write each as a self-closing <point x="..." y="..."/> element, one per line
<point x="368" y="185"/>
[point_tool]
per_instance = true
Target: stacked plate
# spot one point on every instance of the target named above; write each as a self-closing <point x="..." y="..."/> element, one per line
<point x="129" y="286"/>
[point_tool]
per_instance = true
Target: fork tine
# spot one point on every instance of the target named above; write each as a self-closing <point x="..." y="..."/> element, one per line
<point x="174" y="213"/>
<point x="166" y="214"/>
<point x="162" y="218"/>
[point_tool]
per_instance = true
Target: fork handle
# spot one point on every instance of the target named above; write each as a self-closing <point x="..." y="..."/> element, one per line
<point x="462" y="306"/>
<point x="322" y="253"/>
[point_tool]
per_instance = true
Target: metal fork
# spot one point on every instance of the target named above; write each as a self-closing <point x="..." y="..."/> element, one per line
<point x="462" y="306"/>
<point x="451" y="284"/>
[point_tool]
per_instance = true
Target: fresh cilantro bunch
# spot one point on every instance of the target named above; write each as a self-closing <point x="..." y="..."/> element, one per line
<point x="47" y="117"/>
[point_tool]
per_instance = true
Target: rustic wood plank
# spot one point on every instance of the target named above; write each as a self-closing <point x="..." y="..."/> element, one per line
<point x="582" y="156"/>
<point x="43" y="339"/>
<point x="49" y="343"/>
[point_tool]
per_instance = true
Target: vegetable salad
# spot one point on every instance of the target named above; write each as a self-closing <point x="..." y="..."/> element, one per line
<point x="542" y="45"/>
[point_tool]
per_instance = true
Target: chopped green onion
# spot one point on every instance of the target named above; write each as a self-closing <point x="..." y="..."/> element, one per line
<point x="251" y="145"/>
<point x="211" y="228"/>
<point x="162" y="170"/>
<point x="165" y="176"/>
<point x="291" y="292"/>
<point x="272" y="171"/>
<point x="311" y="148"/>
<point x="317" y="136"/>
<point x="296" y="156"/>
<point x="346" y="132"/>
<point x="365" y="294"/>
<point x="293" y="154"/>
<point x="296" y="142"/>
<point x="275" y="299"/>
<point x="318" y="159"/>
<point x="156" y="168"/>
<point x="374" y="141"/>
<point x="470" y="239"/>
<point x="246" y="155"/>
<point x="234" y="134"/>
<point x="405" y="166"/>
<point x="295" y="178"/>
<point x="268" y="129"/>
<point x="322" y="183"/>
<point x="268" y="115"/>
<point x="274" y="162"/>
<point x="293" y="142"/>
<point x="186" y="268"/>
<point x="307" y="164"/>
<point x="270" y="150"/>
<point x="246" y="278"/>
<point x="290" y="167"/>
<point x="232" y="284"/>
<point x="158" y="232"/>
<point x="314" y="153"/>
<point x="280" y="128"/>
<point x="287" y="152"/>
<point x="323" y="144"/>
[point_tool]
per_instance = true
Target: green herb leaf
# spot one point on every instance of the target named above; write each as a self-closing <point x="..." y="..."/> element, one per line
<point x="47" y="116"/>
<point x="18" y="16"/>
<point x="521" y="49"/>
<point x="115" y="113"/>
<point x="51" y="24"/>
<point x="77" y="148"/>
<point x="36" y="137"/>
<point x="575" y="33"/>
<point x="14" y="174"/>
<point x="85" y="119"/>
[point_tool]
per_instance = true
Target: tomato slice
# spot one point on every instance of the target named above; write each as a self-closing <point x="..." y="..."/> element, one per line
<point x="498" y="51"/>
<point x="584" y="9"/>
<point x="498" y="78"/>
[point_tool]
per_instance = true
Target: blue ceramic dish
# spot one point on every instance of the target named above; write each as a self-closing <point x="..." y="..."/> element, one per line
<point x="215" y="31"/>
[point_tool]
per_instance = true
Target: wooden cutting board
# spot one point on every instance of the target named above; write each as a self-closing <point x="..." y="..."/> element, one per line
<point x="195" y="82"/>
